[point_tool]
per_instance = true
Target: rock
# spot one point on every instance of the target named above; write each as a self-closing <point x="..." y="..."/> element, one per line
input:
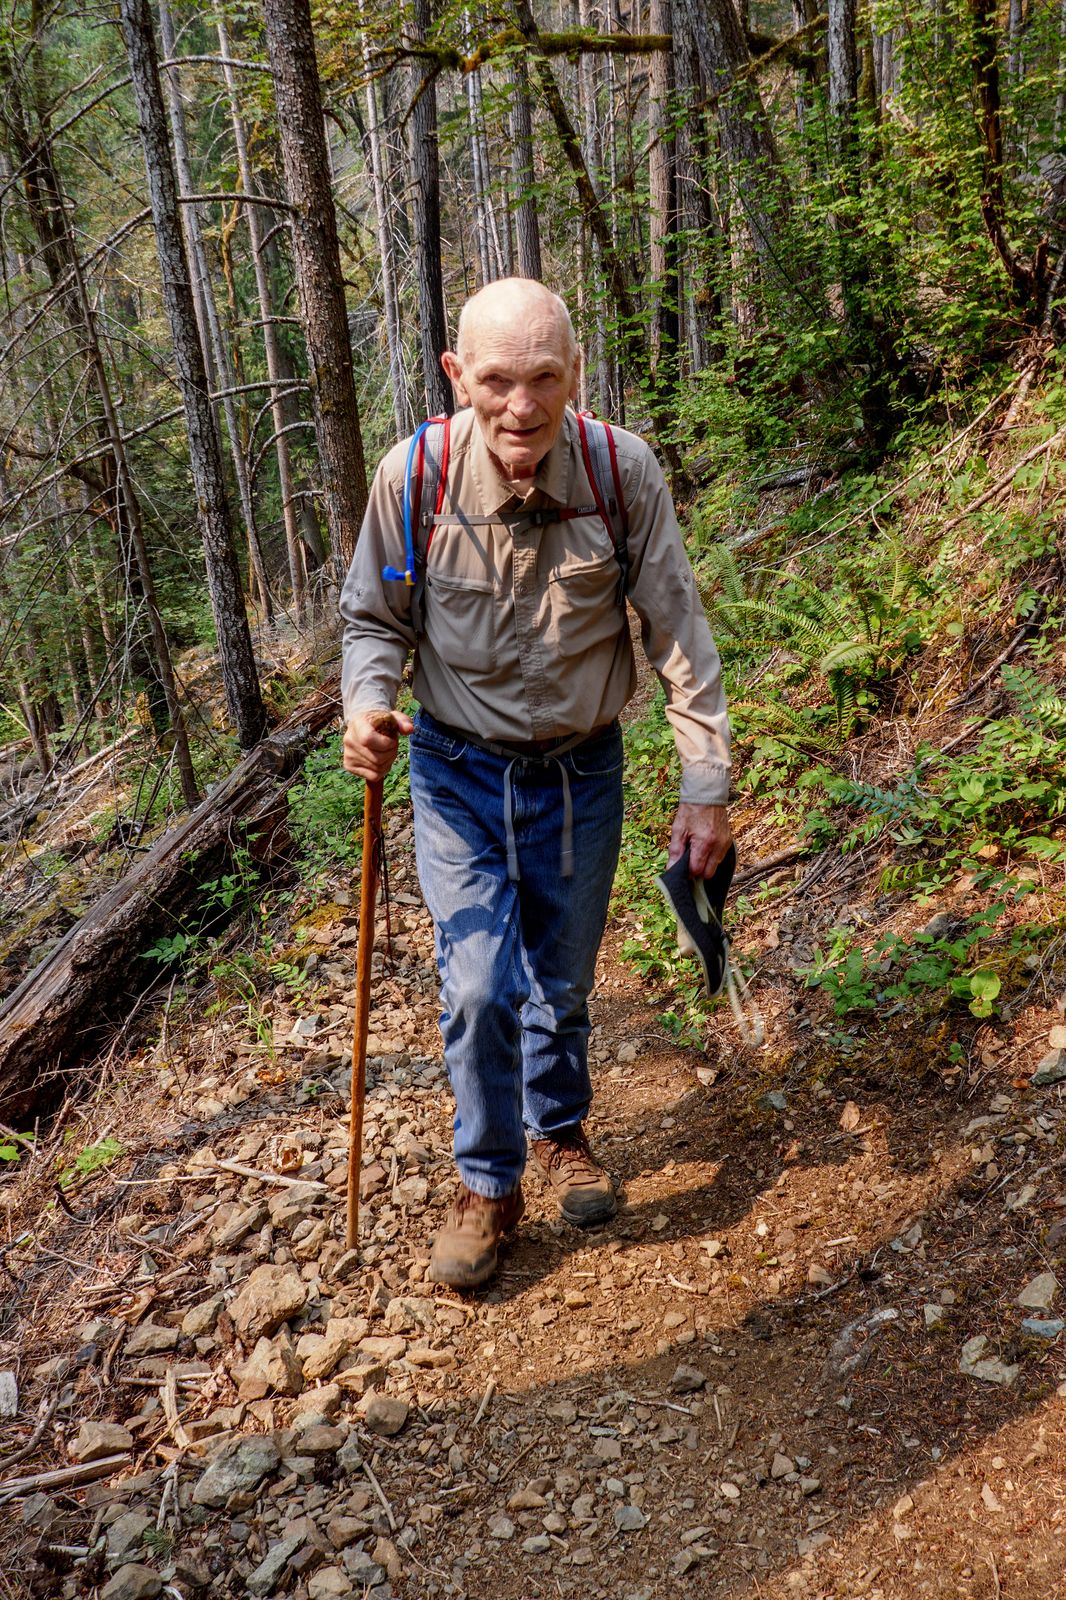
<point x="423" y="1355"/>
<point x="294" y="1204"/>
<point x="781" y="1466"/>
<point x="1039" y="1293"/>
<point x="249" y="1219"/>
<point x="133" y="1582"/>
<point x="241" y="1464"/>
<point x="96" y="1439"/>
<point x="269" y="1296"/>
<point x="200" y="1319"/>
<point x="273" y="1568"/>
<point x="526" y="1500"/>
<point x="386" y="1350"/>
<point x="1042" y="1328"/>
<point x="359" y="1566"/>
<point x="973" y="1363"/>
<point x="9" y="1395"/>
<point x="387" y="1555"/>
<point x="126" y="1533"/>
<point x="272" y="1367"/>
<point x="346" y="1267"/>
<point x="361" y="1378"/>
<point x="818" y="1277"/>
<point x="809" y="1486"/>
<point x="329" y="1583"/>
<point x="501" y="1527"/>
<point x="321" y="1404"/>
<point x="776" y="1100"/>
<point x="383" y="1413"/>
<point x="991" y="1500"/>
<point x="150" y="1340"/>
<point x="538" y="1545"/>
<point x="350" y="1456"/>
<point x="687" y="1380"/>
<point x="340" y="1339"/>
<point x="1050" y="1069"/>
<point x="629" y="1519"/>
<point x="933" y="1316"/>
<point x="321" y="1440"/>
<point x="39" y="1511"/>
<point x="607" y="1449"/>
<point x="410" y="1311"/>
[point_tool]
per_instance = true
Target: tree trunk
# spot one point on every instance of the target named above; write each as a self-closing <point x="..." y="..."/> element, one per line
<point x="205" y="458"/>
<point x="744" y="128"/>
<point x="425" y="197"/>
<point x="219" y="365"/>
<point x="527" y="223"/>
<point x="316" y="255"/>
<point x="293" y="543"/>
<point x="401" y="411"/>
<point x="58" y="1011"/>
<point x="662" y="184"/>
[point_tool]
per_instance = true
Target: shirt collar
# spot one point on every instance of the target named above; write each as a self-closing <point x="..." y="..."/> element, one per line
<point x="552" y="479"/>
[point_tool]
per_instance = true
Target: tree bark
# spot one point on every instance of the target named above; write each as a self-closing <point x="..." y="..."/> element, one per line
<point x="401" y="411"/>
<point x="662" y="185"/>
<point x="527" y="222"/>
<point x="58" y="1012"/>
<point x="219" y="366"/>
<point x="744" y="128"/>
<point x="425" y="197"/>
<point x="293" y="543"/>
<point x="237" y="660"/>
<point x="316" y="256"/>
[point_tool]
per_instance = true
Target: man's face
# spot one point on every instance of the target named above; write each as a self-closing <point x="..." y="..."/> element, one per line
<point x="517" y="376"/>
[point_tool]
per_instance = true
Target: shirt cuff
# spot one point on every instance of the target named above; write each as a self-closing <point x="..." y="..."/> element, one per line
<point x="705" y="783"/>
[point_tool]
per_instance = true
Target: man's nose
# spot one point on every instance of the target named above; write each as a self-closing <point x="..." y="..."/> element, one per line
<point x="522" y="403"/>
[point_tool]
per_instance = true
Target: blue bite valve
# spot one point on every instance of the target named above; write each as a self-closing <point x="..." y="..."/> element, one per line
<point x="398" y="575"/>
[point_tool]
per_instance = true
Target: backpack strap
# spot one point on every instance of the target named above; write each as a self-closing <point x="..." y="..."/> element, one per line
<point x="431" y="440"/>
<point x="600" y="456"/>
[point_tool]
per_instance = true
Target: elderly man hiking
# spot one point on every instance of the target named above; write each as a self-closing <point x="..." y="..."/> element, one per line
<point x="501" y="549"/>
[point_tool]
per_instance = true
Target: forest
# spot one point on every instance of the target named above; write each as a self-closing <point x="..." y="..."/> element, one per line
<point x="816" y="258"/>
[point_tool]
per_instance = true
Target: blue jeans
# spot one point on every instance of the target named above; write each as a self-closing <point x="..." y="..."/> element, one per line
<point x="516" y="959"/>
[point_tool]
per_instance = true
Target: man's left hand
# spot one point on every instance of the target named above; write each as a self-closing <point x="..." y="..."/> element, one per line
<point x="706" y="831"/>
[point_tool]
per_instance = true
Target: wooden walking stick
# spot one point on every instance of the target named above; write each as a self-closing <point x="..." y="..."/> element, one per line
<point x="368" y="890"/>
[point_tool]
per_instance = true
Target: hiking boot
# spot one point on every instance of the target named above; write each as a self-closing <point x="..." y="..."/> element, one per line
<point x="464" y="1251"/>
<point x="584" y="1191"/>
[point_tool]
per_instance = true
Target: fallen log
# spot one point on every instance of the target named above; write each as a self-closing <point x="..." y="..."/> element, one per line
<point x="60" y="1010"/>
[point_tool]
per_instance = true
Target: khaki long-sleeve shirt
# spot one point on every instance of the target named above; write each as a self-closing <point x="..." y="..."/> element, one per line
<point x="523" y="638"/>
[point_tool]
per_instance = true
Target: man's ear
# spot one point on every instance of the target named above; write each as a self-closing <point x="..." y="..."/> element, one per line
<point x="454" y="368"/>
<point x="575" y="382"/>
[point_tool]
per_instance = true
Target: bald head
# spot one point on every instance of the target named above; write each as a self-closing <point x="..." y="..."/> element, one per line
<point x="516" y="363"/>
<point x="511" y="302"/>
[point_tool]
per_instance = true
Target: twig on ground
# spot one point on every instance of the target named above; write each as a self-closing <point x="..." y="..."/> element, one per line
<point x="35" y="1437"/>
<point x="486" y="1401"/>
<point x="61" y="1477"/>
<point x="269" y="1177"/>
<point x="379" y="1491"/>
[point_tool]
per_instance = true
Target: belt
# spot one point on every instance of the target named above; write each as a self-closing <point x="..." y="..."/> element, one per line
<point x="543" y="750"/>
<point x="525" y="749"/>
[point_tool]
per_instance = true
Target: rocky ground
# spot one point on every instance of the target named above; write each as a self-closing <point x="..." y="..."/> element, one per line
<point x="818" y="1353"/>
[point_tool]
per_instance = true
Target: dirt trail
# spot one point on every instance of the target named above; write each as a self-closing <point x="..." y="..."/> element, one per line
<point x="746" y="1385"/>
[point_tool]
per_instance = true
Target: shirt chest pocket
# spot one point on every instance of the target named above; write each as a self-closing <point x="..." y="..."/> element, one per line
<point x="583" y="603"/>
<point x="461" y="621"/>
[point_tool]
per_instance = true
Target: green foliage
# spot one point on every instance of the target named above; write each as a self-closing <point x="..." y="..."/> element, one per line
<point x="928" y="969"/>
<point x="325" y="809"/>
<point x="92" y="1158"/>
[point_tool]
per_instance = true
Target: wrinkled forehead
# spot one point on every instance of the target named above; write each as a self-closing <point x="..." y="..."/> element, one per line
<point x="517" y="332"/>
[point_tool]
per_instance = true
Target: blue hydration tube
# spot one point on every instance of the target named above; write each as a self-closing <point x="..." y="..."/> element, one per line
<point x="407" y="575"/>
